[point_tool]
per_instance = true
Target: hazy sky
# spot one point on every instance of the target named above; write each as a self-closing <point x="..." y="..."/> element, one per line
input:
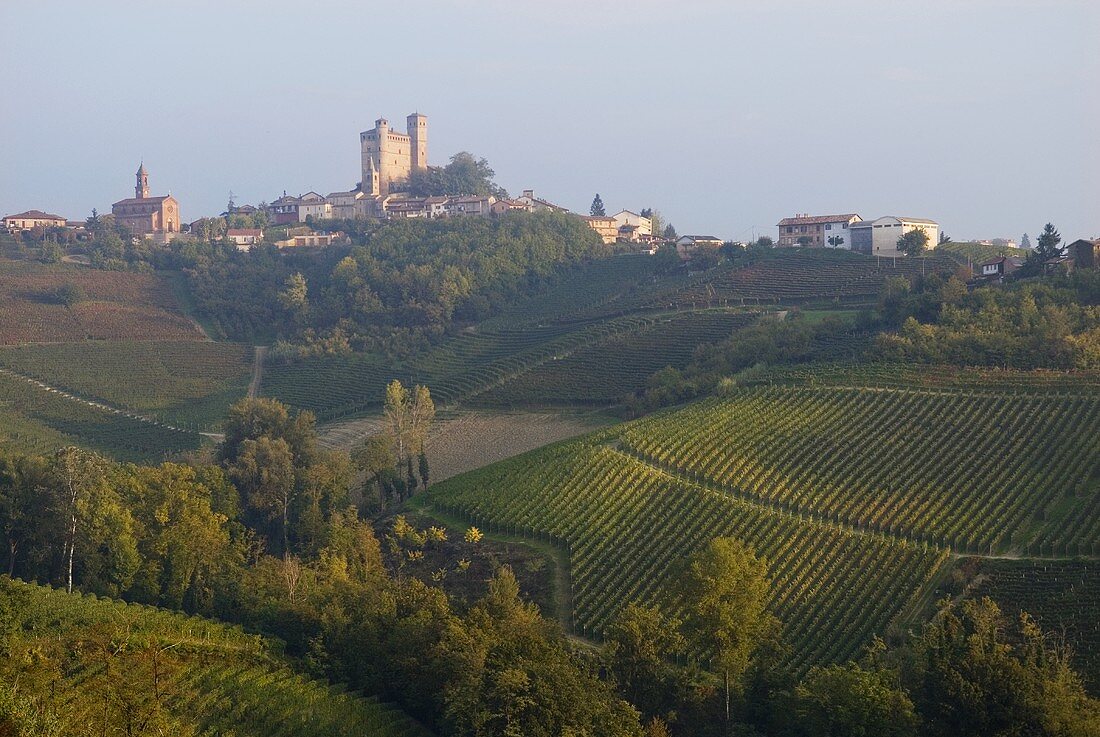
<point x="725" y="115"/>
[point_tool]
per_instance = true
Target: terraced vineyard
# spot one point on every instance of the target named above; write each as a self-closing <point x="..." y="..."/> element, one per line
<point x="185" y="383"/>
<point x="856" y="494"/>
<point x="118" y="306"/>
<point x="37" y="420"/>
<point x="604" y="372"/>
<point x="466" y="365"/>
<point x="979" y="471"/>
<point x="627" y="525"/>
<point x="214" y="677"/>
<point x="1064" y="595"/>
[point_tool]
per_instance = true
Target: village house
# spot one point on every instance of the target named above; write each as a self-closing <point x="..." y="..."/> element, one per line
<point x="504" y="205"/>
<point x="1085" y="253"/>
<point x="604" y="225"/>
<point x="310" y="240"/>
<point x="997" y="269"/>
<point x="815" y="231"/>
<point x="33" y="219"/>
<point x="145" y="215"/>
<point x="284" y="210"/>
<point x="314" y="207"/>
<point x="880" y="237"/>
<point x="632" y="226"/>
<point x="244" y="238"/>
<point x="536" y="204"/>
<point x="687" y="245"/>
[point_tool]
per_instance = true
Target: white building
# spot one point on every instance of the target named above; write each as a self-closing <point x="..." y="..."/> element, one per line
<point x="637" y="225"/>
<point x="880" y="237"/>
<point x="313" y="205"/>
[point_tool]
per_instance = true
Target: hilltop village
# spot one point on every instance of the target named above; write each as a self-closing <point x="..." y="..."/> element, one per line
<point x="398" y="182"/>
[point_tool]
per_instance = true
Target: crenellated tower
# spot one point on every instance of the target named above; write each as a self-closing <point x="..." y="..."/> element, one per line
<point x="389" y="156"/>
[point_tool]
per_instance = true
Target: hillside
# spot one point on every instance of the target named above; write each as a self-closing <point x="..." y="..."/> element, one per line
<point x="597" y="333"/>
<point x="185" y="383"/>
<point x="857" y="494"/>
<point x="78" y="665"/>
<point x="114" y="306"/>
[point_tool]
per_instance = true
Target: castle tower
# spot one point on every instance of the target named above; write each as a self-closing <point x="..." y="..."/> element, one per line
<point x="418" y="141"/>
<point x="141" y="189"/>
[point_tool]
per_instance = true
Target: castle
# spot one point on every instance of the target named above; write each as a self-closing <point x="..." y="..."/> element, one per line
<point x="390" y="156"/>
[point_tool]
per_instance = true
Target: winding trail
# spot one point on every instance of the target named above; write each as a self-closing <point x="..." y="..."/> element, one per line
<point x="257" y="371"/>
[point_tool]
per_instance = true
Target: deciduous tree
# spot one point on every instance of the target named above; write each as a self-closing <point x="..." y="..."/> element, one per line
<point x="723" y="594"/>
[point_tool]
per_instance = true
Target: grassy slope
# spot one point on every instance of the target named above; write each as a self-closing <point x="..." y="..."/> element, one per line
<point x="96" y="663"/>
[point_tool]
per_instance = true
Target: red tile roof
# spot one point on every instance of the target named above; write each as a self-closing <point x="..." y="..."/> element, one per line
<point x="140" y="200"/>
<point x="33" y="215"/>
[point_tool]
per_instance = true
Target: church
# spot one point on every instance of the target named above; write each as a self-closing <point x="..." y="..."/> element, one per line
<point x="143" y="215"/>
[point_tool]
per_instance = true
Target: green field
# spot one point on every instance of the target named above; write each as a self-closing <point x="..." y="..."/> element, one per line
<point x="856" y="494"/>
<point x="184" y="383"/>
<point x="36" y="420"/>
<point x="99" y="664"/>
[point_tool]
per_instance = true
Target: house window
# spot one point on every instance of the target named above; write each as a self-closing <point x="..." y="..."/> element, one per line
<point x="828" y="226"/>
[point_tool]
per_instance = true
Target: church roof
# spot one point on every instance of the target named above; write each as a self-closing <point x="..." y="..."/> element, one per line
<point x="141" y="169"/>
<point x="140" y="200"/>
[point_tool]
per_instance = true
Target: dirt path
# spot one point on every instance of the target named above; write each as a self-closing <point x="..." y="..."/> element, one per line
<point x="257" y="371"/>
<point x="103" y="407"/>
<point x="464" y="440"/>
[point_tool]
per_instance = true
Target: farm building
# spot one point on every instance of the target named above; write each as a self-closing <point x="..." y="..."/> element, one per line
<point x="817" y="231"/>
<point x="880" y="237"/>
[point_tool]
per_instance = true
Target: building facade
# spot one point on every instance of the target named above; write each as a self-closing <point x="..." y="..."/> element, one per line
<point x="33" y="219"/>
<point x="632" y="226"/>
<point x="604" y="225"/>
<point x="880" y="237"/>
<point x="390" y="156"/>
<point x="145" y="215"/>
<point x="816" y="231"/>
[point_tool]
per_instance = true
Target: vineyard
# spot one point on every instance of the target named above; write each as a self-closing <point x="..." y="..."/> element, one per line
<point x="116" y="306"/>
<point x="978" y="252"/>
<point x="34" y="419"/>
<point x="184" y="383"/>
<point x="1063" y="595"/>
<point x="208" y="678"/>
<point x="469" y="364"/>
<point x="974" y="470"/>
<point x="606" y="371"/>
<point x="627" y="525"/>
<point x="855" y="493"/>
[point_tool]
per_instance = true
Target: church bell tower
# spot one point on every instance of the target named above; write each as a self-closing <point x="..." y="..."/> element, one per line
<point x="141" y="189"/>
